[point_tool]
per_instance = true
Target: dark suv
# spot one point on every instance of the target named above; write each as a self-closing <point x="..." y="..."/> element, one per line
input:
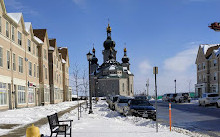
<point x="141" y="108"/>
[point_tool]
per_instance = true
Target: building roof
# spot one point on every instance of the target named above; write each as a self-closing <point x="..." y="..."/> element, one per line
<point x="16" y="17"/>
<point x="40" y="33"/>
<point x="208" y="48"/>
<point x="52" y="43"/>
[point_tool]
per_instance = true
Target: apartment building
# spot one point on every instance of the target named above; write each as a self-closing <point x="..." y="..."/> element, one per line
<point x="24" y="64"/>
<point x="208" y="67"/>
<point x="55" y="72"/>
<point x="65" y="67"/>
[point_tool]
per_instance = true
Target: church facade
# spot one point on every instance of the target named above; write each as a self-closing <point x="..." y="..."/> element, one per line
<point x="111" y="77"/>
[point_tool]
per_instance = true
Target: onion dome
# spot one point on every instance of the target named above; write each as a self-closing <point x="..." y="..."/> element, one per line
<point x="125" y="59"/>
<point x="108" y="43"/>
<point x="94" y="59"/>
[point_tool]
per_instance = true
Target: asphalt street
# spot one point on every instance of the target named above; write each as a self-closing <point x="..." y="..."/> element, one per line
<point x="205" y="120"/>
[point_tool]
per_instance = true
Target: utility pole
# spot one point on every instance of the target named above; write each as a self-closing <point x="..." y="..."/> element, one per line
<point x="175" y="85"/>
<point x="155" y="72"/>
<point x="147" y="85"/>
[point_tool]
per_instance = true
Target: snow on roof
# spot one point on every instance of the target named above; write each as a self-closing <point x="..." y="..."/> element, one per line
<point x="62" y="48"/>
<point x="27" y="26"/>
<point x="63" y="61"/>
<point x="205" y="47"/>
<point x="125" y="68"/>
<point x="112" y="67"/>
<point x="15" y="16"/>
<point x="51" y="48"/>
<point x="38" y="40"/>
<point x="129" y="72"/>
<point x="216" y="52"/>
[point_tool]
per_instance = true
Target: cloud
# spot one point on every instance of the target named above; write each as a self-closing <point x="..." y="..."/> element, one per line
<point x="182" y="61"/>
<point x="80" y="3"/>
<point x="20" y="7"/>
<point x="180" y="67"/>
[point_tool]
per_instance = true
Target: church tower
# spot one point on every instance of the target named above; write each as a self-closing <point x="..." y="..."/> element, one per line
<point x="109" y="46"/>
<point x="125" y="60"/>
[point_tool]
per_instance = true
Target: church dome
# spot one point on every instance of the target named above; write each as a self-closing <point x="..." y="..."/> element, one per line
<point x="94" y="60"/>
<point x="125" y="59"/>
<point x="109" y="43"/>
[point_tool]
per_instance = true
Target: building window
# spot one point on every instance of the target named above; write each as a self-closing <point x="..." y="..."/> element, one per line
<point x="199" y="66"/>
<point x="8" y="59"/>
<point x="31" y="95"/>
<point x="20" y="65"/>
<point x="30" y="69"/>
<point x="203" y="65"/>
<point x="29" y="45"/>
<point x="0" y="24"/>
<point x="199" y="77"/>
<point x="45" y="54"/>
<point x="45" y="73"/>
<point x="204" y="78"/>
<point x="46" y="95"/>
<point x="7" y="29"/>
<point x="19" y="38"/>
<point x="215" y="76"/>
<point x="3" y="94"/>
<point x="14" y="62"/>
<point x="1" y="57"/>
<point x="34" y="70"/>
<point x="21" y="94"/>
<point x="13" y="33"/>
<point x="214" y="62"/>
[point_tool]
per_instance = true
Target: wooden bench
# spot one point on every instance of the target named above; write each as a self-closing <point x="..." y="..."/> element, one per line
<point x="57" y="127"/>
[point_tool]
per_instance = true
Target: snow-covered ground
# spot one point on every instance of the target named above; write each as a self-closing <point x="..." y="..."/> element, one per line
<point x="24" y="116"/>
<point x="107" y="123"/>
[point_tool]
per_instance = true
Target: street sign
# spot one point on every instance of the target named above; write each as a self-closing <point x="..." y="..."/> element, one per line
<point x="155" y="70"/>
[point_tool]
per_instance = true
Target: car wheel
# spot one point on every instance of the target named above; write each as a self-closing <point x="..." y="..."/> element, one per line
<point x="126" y="112"/>
<point x="199" y="103"/>
<point x="179" y="101"/>
<point x="204" y="104"/>
<point x="217" y="105"/>
<point x="113" y="108"/>
<point x="188" y="101"/>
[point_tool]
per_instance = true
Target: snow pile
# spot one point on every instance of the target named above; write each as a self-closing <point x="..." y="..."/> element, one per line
<point x="107" y="123"/>
<point x="112" y="67"/>
<point x="25" y="116"/>
<point x="205" y="47"/>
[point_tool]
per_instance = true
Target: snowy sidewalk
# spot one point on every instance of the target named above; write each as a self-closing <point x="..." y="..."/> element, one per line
<point x="24" y="117"/>
<point x="107" y="123"/>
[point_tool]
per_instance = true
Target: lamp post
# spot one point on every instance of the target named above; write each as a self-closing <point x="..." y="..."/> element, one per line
<point x="175" y="85"/>
<point x="89" y="58"/>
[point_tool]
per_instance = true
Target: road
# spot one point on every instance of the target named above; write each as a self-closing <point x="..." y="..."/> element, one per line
<point x="205" y="120"/>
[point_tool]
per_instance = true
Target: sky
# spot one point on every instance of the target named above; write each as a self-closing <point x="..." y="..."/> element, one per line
<point x="163" y="33"/>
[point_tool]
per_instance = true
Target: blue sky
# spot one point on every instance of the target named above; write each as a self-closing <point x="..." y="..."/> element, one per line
<point x="165" y="33"/>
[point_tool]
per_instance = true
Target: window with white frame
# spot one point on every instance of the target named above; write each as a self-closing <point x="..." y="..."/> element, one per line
<point x="19" y="38"/>
<point x="31" y="98"/>
<point x="34" y="70"/>
<point x="215" y="76"/>
<point x="21" y="94"/>
<point x="8" y="59"/>
<point x="3" y="94"/>
<point x="46" y="95"/>
<point x="0" y="24"/>
<point x="14" y="62"/>
<point x="29" y="45"/>
<point x="7" y="29"/>
<point x="214" y="62"/>
<point x="1" y="57"/>
<point x="13" y="33"/>
<point x="30" y="69"/>
<point x="20" y="63"/>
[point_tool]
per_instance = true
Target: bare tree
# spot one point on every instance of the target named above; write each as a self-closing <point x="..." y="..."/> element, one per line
<point x="76" y="82"/>
<point x="85" y="84"/>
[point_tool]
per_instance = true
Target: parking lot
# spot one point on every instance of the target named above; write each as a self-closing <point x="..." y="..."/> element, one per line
<point x="192" y="117"/>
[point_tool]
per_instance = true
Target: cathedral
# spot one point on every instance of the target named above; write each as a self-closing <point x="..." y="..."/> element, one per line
<point x="111" y="77"/>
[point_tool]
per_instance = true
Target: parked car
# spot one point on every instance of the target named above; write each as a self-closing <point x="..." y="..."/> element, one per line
<point x="112" y="101"/>
<point x="141" y="97"/>
<point x="182" y="97"/>
<point x="108" y="99"/>
<point x="165" y="97"/>
<point x="141" y="108"/>
<point x="172" y="97"/>
<point x="121" y="103"/>
<point x="218" y="103"/>
<point x="208" y="99"/>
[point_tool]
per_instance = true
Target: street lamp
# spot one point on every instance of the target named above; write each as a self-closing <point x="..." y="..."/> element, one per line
<point x="89" y="58"/>
<point x="175" y="85"/>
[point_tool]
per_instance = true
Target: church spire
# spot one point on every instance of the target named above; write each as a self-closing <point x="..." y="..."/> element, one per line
<point x="108" y="29"/>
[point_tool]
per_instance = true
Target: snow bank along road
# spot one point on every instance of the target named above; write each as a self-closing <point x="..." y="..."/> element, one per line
<point x="107" y="123"/>
<point x="192" y="117"/>
<point x="13" y="120"/>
